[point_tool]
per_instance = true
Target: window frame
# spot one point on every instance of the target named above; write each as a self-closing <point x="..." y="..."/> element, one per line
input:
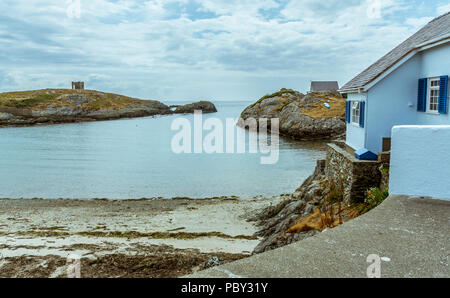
<point x="355" y="112"/>
<point x="430" y="89"/>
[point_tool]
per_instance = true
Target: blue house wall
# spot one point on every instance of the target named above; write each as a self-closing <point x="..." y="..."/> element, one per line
<point x="393" y="100"/>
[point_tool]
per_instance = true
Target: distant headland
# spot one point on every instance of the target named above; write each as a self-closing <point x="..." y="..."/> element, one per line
<point x="51" y="106"/>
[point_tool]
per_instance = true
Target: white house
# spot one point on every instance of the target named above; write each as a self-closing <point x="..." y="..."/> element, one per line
<point x="408" y="86"/>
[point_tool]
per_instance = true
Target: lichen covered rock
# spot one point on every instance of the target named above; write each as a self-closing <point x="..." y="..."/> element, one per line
<point x="204" y="106"/>
<point x="303" y="117"/>
<point x="275" y="221"/>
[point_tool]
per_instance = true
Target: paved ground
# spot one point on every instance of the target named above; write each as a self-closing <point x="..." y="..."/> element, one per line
<point x="411" y="235"/>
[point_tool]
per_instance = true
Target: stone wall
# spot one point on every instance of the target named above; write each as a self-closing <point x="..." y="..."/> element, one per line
<point x="354" y="177"/>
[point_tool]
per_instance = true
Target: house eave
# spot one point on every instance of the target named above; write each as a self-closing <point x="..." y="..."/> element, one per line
<point x="433" y="43"/>
<point x="351" y="90"/>
<point x="419" y="48"/>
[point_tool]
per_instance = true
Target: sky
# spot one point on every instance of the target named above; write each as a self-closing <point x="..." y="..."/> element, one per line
<point x="199" y="49"/>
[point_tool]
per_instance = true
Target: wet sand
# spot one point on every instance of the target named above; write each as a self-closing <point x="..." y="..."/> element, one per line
<point x="125" y="238"/>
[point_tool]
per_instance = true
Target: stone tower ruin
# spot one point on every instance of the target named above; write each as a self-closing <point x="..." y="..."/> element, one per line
<point x="78" y="85"/>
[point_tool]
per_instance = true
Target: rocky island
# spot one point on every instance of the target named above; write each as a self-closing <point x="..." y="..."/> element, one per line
<point x="50" y="106"/>
<point x="204" y="106"/>
<point x="316" y="115"/>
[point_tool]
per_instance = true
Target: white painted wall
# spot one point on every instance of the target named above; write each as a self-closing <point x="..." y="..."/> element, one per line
<point x="388" y="102"/>
<point x="420" y="161"/>
<point x="355" y="136"/>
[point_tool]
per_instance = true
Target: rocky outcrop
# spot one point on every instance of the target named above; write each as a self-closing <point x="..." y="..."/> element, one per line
<point x="67" y="114"/>
<point x="204" y="106"/>
<point x="274" y="221"/>
<point x="311" y="116"/>
<point x="317" y="205"/>
<point x="65" y="106"/>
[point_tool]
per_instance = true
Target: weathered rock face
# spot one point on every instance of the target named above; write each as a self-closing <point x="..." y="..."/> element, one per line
<point x="275" y="221"/>
<point x="333" y="195"/>
<point x="302" y="116"/>
<point x="204" y="106"/>
<point x="69" y="113"/>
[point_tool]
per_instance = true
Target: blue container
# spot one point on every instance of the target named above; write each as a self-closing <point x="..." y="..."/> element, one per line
<point x="365" y="154"/>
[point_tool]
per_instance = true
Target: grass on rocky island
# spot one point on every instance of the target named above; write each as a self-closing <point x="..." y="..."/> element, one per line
<point x="279" y="94"/>
<point x="41" y="99"/>
<point x="283" y="105"/>
<point x="318" y="110"/>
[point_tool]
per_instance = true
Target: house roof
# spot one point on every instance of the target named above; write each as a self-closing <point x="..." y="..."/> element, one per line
<point x="317" y="86"/>
<point x="439" y="27"/>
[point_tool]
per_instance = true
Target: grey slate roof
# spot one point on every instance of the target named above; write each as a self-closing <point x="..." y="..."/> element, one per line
<point x="438" y="27"/>
<point x="322" y="86"/>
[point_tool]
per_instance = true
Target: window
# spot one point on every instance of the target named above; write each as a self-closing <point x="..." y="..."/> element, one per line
<point x="355" y="112"/>
<point x="433" y="95"/>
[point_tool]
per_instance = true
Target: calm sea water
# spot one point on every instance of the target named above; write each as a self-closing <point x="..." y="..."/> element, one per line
<point x="132" y="158"/>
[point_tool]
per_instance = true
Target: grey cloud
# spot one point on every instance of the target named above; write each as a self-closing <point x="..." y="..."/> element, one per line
<point x="29" y="31"/>
<point x="250" y="44"/>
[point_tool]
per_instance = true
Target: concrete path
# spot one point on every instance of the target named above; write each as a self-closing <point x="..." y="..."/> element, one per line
<point x="410" y="235"/>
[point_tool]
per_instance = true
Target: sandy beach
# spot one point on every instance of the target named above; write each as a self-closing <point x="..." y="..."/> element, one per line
<point x="125" y="238"/>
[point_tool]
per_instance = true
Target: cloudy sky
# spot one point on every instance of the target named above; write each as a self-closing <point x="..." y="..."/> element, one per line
<point x="199" y="49"/>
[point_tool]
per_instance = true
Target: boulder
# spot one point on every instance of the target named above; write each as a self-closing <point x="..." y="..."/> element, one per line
<point x="204" y="106"/>
<point x="274" y="221"/>
<point x="312" y="116"/>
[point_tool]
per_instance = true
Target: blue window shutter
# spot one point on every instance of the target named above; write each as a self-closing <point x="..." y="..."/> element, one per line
<point x="443" y="95"/>
<point x="422" y="96"/>
<point x="362" y="111"/>
<point x="347" y="111"/>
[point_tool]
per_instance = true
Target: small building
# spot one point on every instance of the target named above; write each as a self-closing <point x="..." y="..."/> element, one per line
<point x="320" y="86"/>
<point x="78" y="85"/>
<point x="408" y="86"/>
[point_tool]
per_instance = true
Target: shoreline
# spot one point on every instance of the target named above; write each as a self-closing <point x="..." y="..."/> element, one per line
<point x="225" y="198"/>
<point x="68" y="120"/>
<point x="179" y="236"/>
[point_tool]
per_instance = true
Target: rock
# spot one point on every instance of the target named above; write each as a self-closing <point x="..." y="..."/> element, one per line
<point x="6" y="116"/>
<point x="212" y="262"/>
<point x="204" y="106"/>
<point x="302" y="116"/>
<point x="276" y="220"/>
<point x="270" y="211"/>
